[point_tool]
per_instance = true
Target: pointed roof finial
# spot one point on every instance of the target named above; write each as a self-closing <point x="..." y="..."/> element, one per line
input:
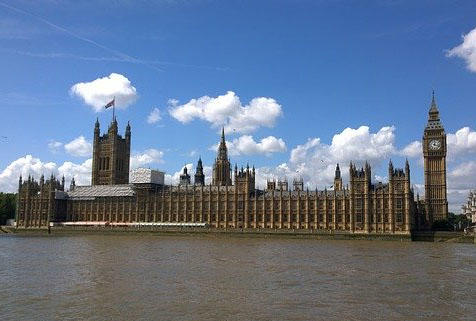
<point x="433" y="107"/>
<point x="337" y="172"/>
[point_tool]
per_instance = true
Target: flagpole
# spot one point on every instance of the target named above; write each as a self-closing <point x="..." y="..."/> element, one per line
<point x="114" y="109"/>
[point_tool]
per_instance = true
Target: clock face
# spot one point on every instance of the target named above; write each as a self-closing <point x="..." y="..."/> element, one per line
<point x="434" y="144"/>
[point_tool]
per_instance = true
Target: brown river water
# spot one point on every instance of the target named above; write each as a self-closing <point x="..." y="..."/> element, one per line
<point x="145" y="277"/>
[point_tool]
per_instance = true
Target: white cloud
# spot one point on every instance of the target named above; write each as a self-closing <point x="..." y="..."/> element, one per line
<point x="172" y="102"/>
<point x="462" y="176"/>
<point x="29" y="165"/>
<point x="80" y="172"/>
<point x="412" y="150"/>
<point x="349" y="145"/>
<point x="79" y="147"/>
<point x="54" y="146"/>
<point x="466" y="50"/>
<point x="462" y="142"/>
<point x="383" y="179"/>
<point x="299" y="153"/>
<point x="154" y="116"/>
<point x="246" y="145"/>
<point x="315" y="161"/>
<point x="148" y="157"/>
<point x="99" y="92"/>
<point x="360" y="144"/>
<point x="227" y="110"/>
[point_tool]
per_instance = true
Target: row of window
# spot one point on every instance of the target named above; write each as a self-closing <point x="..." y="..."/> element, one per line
<point x="293" y="217"/>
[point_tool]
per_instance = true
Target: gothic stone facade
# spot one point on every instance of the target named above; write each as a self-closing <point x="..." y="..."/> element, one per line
<point x="111" y="156"/>
<point x="360" y="207"/>
<point x="434" y="156"/>
<point x="37" y="202"/>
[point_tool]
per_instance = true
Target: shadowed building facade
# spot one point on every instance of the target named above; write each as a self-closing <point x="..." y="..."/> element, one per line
<point x="232" y="199"/>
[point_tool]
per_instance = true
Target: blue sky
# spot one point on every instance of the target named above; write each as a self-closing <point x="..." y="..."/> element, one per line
<point x="321" y="66"/>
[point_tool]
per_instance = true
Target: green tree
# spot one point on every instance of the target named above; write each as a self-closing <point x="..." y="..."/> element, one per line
<point x="7" y="207"/>
<point x="452" y="223"/>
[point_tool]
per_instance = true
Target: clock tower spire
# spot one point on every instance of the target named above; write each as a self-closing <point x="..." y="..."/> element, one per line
<point x="434" y="155"/>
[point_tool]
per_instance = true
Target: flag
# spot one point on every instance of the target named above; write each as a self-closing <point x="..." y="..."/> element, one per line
<point x="111" y="103"/>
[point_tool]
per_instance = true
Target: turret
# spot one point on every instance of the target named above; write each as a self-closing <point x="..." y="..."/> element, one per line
<point x="390" y="170"/>
<point x="337" y="179"/>
<point x="367" y="171"/>
<point x="72" y="184"/>
<point x="96" y="129"/>
<point x="351" y="170"/>
<point x="298" y="184"/>
<point x="245" y="180"/>
<point x="20" y="182"/>
<point x="185" y="177"/>
<point x="199" y="176"/>
<point x="128" y="132"/>
<point x="113" y="126"/>
<point x="270" y="185"/>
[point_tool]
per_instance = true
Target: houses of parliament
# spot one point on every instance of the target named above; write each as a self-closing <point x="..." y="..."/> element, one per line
<point x="232" y="200"/>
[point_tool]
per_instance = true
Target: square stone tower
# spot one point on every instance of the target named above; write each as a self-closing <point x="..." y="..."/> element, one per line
<point x="111" y="156"/>
<point x="434" y="156"/>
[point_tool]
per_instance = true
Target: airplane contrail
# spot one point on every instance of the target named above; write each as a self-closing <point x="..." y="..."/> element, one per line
<point x="120" y="54"/>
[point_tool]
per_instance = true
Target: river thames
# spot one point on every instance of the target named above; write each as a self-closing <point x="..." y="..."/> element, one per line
<point x="145" y="277"/>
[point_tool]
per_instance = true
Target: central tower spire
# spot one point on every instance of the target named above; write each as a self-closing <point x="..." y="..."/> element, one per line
<point x="222" y="168"/>
<point x="222" y="150"/>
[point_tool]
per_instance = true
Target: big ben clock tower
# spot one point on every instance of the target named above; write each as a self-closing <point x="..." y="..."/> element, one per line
<point x="434" y="155"/>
